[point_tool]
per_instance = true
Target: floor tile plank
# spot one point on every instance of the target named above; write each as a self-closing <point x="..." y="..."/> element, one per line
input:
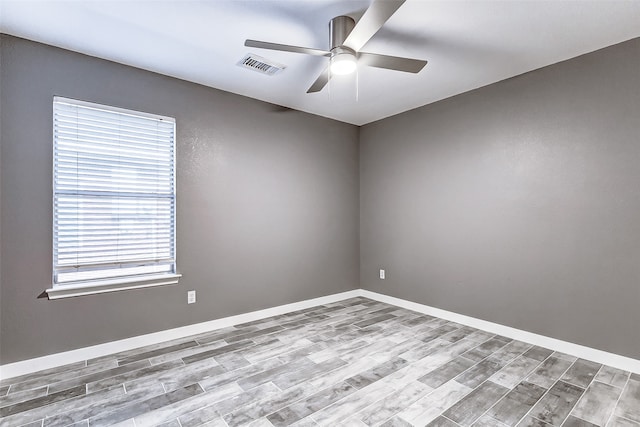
<point x="612" y="376"/>
<point x="305" y="407"/>
<point x="98" y="403"/>
<point x="597" y="404"/>
<point x="427" y="409"/>
<point x="182" y="407"/>
<point x="476" y="403"/>
<point x="538" y="353"/>
<point x="347" y="406"/>
<point x="514" y="372"/>
<point x="555" y="406"/>
<point x="82" y="380"/>
<point x="549" y="371"/>
<point x="629" y="405"/>
<point x="42" y="401"/>
<point x="486" y="348"/>
<point x="21" y="396"/>
<point x="479" y="373"/>
<point x="393" y="403"/>
<point x="147" y="405"/>
<point x="516" y="403"/>
<point x="581" y="373"/>
<point x="446" y="372"/>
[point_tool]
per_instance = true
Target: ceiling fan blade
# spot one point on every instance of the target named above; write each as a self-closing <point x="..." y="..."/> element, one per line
<point x="391" y="62"/>
<point x="320" y="82"/>
<point x="372" y="20"/>
<point x="286" y="48"/>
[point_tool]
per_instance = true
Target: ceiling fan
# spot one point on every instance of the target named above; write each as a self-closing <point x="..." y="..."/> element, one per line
<point x="346" y="39"/>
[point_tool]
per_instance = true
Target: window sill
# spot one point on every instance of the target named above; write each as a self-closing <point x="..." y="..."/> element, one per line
<point x="111" y="285"/>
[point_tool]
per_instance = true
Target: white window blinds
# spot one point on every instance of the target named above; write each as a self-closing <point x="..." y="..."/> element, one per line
<point x="113" y="194"/>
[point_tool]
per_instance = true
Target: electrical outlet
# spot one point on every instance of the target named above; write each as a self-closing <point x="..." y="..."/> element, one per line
<point x="382" y="274"/>
<point x="191" y="297"/>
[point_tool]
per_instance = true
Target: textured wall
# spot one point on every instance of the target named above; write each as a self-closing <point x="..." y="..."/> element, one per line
<point x="267" y="208"/>
<point x="517" y="203"/>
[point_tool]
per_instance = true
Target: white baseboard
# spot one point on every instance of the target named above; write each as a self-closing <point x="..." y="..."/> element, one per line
<point x="577" y="350"/>
<point x="58" y="359"/>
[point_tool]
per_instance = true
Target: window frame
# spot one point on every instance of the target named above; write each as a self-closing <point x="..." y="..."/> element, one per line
<point x="117" y="283"/>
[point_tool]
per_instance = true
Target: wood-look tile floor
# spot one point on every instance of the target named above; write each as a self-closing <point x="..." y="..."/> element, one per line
<point x="352" y="363"/>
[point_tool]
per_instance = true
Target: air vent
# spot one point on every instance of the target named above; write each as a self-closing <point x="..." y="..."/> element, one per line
<point x="261" y="65"/>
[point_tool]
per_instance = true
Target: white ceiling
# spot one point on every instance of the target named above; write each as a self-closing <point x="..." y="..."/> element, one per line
<point x="468" y="43"/>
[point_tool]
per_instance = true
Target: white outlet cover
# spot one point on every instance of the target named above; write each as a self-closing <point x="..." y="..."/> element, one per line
<point x="382" y="274"/>
<point x="191" y="297"/>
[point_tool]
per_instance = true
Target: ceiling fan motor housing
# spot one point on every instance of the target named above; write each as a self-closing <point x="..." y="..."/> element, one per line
<point x="339" y="28"/>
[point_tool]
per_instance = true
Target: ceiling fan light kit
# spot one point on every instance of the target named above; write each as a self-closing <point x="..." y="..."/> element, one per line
<point x="346" y="38"/>
<point x="343" y="62"/>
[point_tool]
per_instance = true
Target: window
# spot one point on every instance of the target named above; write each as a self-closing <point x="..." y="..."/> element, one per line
<point x="113" y="199"/>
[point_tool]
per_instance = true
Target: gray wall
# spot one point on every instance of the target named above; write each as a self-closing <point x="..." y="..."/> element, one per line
<point x="267" y="203"/>
<point x="518" y="203"/>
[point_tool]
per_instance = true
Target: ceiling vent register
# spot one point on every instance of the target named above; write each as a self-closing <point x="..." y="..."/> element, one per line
<point x="261" y="65"/>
